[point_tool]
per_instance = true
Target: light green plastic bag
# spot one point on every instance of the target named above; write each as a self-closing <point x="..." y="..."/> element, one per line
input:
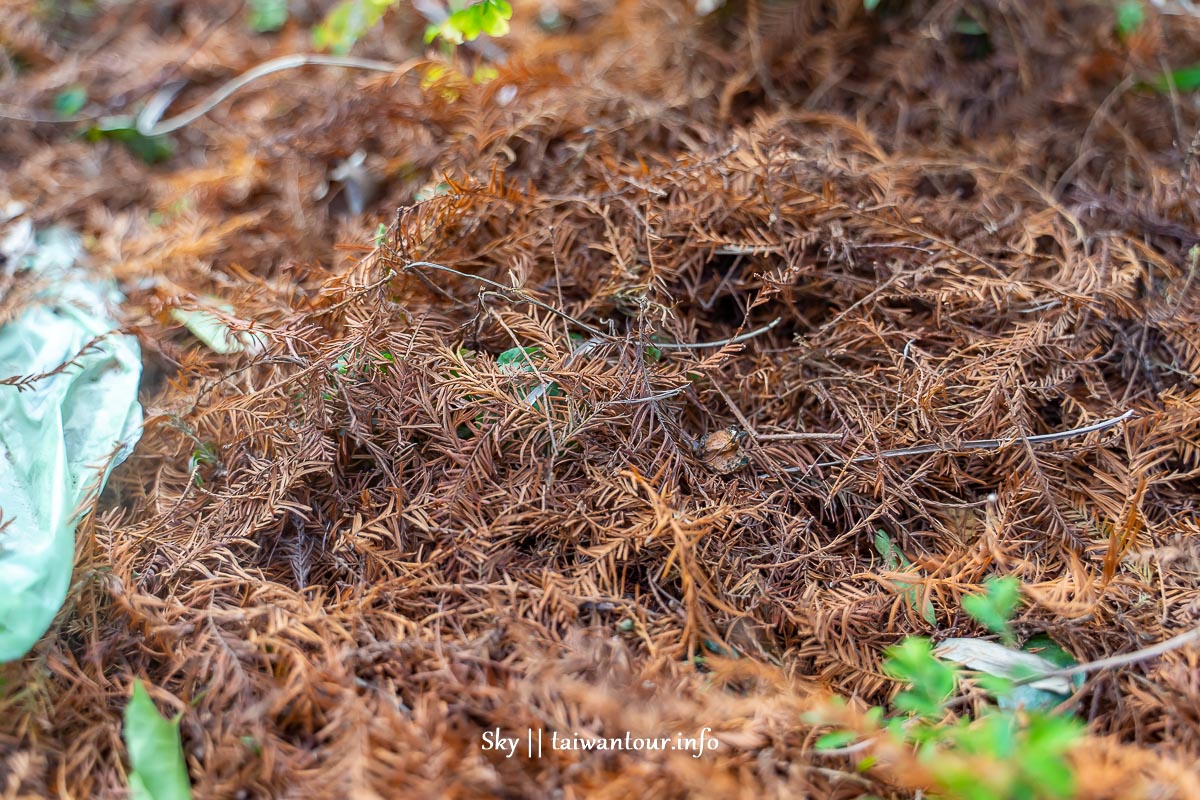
<point x="61" y="435"/>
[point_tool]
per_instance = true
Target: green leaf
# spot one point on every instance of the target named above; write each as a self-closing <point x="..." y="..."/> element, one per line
<point x="1053" y="734"/>
<point x="1185" y="79"/>
<point x="204" y="454"/>
<point x="968" y="26"/>
<point x="992" y="735"/>
<point x="932" y="680"/>
<point x="484" y="73"/>
<point x="493" y="23"/>
<point x="70" y="101"/>
<point x="919" y="604"/>
<point x="835" y="739"/>
<point x="995" y="607"/>
<point x="717" y="649"/>
<point x="1042" y="645"/>
<point x="994" y="685"/>
<point x="1047" y="739"/>
<point x="267" y="16"/>
<point x="1131" y="16"/>
<point x="518" y="359"/>
<point x="467" y="24"/>
<point x="1049" y="773"/>
<point x="151" y="149"/>
<point x="871" y="5"/>
<point x="896" y="729"/>
<point x="893" y="560"/>
<point x="157" y="768"/>
<point x="346" y="23"/>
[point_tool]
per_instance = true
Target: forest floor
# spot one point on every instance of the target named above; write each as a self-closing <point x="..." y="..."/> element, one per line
<point x="488" y="472"/>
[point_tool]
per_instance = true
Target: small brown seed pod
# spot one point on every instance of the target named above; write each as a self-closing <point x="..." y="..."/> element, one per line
<point x="722" y="451"/>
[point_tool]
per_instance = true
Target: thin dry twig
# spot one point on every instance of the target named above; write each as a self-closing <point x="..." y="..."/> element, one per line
<point x="976" y="444"/>
<point x="149" y="124"/>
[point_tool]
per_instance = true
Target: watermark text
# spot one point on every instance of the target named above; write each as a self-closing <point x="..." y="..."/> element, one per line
<point x="533" y="742"/>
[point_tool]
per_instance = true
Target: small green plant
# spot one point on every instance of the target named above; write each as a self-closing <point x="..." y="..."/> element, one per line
<point x="1131" y="16"/>
<point x="355" y="366"/>
<point x="995" y="606"/>
<point x="467" y="23"/>
<point x="349" y="20"/>
<point x="971" y="37"/>
<point x="267" y="16"/>
<point x="512" y="358"/>
<point x="518" y="360"/>
<point x="931" y="680"/>
<point x="123" y="129"/>
<point x="895" y="561"/>
<point x="1184" y="79"/>
<point x="1006" y="752"/>
<point x="346" y="23"/>
<point x="70" y="101"/>
<point x="204" y="455"/>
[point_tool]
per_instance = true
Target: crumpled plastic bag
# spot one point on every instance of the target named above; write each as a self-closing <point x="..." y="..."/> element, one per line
<point x="61" y="434"/>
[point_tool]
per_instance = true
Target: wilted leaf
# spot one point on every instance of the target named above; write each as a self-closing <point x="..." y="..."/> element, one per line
<point x="210" y="328"/>
<point x="1004" y="662"/>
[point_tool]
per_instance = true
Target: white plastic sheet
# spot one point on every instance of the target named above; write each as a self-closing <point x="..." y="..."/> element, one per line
<point x="60" y="435"/>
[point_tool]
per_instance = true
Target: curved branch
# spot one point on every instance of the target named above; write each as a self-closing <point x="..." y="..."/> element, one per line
<point x="149" y="125"/>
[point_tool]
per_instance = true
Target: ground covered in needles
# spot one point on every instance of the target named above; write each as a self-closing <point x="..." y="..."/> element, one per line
<point x="464" y="483"/>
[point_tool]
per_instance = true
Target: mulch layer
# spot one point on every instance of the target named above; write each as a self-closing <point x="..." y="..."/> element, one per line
<point x="530" y="442"/>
